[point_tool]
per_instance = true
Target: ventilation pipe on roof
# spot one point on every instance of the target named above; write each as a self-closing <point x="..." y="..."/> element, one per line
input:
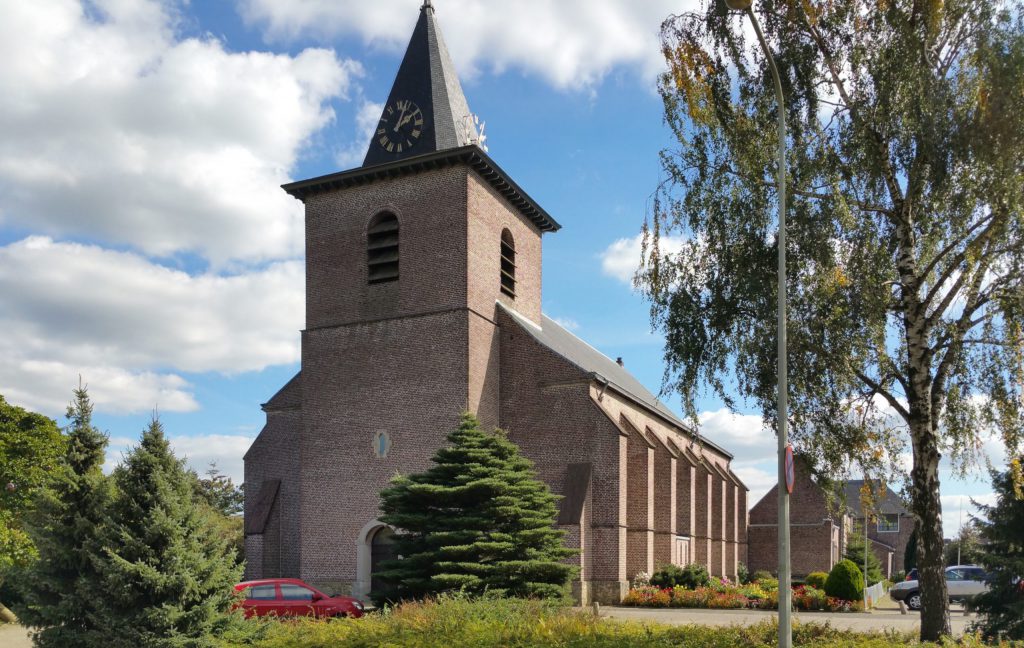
<point x="619" y="362"/>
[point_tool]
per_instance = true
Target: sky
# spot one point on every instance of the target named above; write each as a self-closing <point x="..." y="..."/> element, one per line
<point x="147" y="249"/>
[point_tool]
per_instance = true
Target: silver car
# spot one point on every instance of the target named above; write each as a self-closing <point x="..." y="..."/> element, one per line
<point x="962" y="581"/>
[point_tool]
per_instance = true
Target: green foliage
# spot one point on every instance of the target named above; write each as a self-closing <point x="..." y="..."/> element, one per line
<point x="58" y="591"/>
<point x="910" y="553"/>
<point x="222" y="501"/>
<point x="477" y="520"/>
<point x="742" y="574"/>
<point x="855" y="554"/>
<point x="760" y="575"/>
<point x="219" y="491"/>
<point x="666" y="576"/>
<point x="1001" y="609"/>
<point x="458" y="622"/>
<point x="167" y="578"/>
<point x="690" y="577"/>
<point x="845" y="581"/>
<point x="965" y="549"/>
<point x="31" y="450"/>
<point x="905" y="232"/>
<point x="817" y="579"/>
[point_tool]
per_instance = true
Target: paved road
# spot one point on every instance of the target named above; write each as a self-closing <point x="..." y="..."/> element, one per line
<point x="876" y="620"/>
<point x="13" y="637"/>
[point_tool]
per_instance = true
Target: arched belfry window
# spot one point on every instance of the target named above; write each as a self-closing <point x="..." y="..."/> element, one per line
<point x="508" y="264"/>
<point x="382" y="248"/>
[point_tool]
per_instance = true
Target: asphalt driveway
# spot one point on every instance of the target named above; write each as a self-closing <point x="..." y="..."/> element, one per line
<point x="874" y="621"/>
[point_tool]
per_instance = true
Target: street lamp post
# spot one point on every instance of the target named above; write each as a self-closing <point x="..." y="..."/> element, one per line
<point x="785" y="577"/>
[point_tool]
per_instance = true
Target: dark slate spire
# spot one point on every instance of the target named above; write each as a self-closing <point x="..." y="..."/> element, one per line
<point x="426" y="110"/>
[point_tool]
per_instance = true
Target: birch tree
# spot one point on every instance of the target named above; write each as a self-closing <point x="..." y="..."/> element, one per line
<point x="906" y="177"/>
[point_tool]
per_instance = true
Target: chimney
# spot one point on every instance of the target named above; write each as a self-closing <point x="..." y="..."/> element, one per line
<point x="618" y="361"/>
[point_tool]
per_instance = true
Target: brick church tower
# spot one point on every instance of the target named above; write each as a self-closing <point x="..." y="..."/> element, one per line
<point x="423" y="299"/>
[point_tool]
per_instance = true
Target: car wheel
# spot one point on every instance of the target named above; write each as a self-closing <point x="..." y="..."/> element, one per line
<point x="914" y="601"/>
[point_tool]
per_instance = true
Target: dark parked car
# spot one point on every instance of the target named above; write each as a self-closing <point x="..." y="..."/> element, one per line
<point x="290" y="597"/>
<point x="962" y="581"/>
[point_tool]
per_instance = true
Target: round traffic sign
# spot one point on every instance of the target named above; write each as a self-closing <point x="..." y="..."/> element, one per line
<point x="790" y="470"/>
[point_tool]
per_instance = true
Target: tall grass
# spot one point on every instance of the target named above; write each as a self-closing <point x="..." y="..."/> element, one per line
<point x="460" y="622"/>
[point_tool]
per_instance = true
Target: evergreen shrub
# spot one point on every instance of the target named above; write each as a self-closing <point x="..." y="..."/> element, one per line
<point x="760" y="575"/>
<point x="845" y="581"/>
<point x="817" y="579"/>
<point x="478" y="520"/>
<point x="691" y="577"/>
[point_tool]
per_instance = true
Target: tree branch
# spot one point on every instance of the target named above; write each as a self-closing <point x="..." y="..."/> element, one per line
<point x="877" y="388"/>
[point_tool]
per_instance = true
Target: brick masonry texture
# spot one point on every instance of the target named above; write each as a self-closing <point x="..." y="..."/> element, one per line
<point x="819" y="531"/>
<point x="406" y="357"/>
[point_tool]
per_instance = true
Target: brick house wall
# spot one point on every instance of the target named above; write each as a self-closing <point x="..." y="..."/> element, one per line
<point x="814" y="535"/>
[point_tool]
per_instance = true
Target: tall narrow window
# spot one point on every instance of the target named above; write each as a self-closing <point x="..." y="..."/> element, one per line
<point x="508" y="264"/>
<point x="382" y="248"/>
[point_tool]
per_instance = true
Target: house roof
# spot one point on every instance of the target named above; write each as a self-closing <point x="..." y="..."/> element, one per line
<point x="288" y="396"/>
<point x="889" y="504"/>
<point x="427" y="78"/>
<point x="602" y="368"/>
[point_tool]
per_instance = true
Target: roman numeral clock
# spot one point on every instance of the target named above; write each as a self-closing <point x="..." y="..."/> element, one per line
<point x="400" y="126"/>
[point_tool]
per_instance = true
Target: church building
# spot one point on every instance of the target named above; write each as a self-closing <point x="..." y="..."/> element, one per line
<point x="423" y="299"/>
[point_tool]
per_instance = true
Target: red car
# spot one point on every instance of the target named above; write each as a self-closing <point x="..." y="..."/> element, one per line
<point x="290" y="597"/>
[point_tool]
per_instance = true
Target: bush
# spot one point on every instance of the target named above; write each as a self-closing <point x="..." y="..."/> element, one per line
<point x="742" y="574"/>
<point x="845" y="581"/>
<point x="667" y="576"/>
<point x="761" y="575"/>
<point x="817" y="579"/>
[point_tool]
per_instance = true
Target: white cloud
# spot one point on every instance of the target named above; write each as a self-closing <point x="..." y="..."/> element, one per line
<point x="621" y="259"/>
<point x="570" y="43"/>
<point x="198" y="451"/>
<point x="744" y="435"/>
<point x="116" y="129"/>
<point x="759" y="478"/>
<point x="958" y="508"/>
<point x="367" y="118"/>
<point x="45" y="386"/>
<point x="126" y="324"/>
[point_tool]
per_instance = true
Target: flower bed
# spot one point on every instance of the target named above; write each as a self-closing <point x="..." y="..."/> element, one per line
<point x="720" y="594"/>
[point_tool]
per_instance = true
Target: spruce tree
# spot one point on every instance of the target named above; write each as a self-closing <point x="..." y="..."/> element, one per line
<point x="1001" y="608"/>
<point x="855" y="554"/>
<point x="478" y="521"/>
<point x="167" y="576"/>
<point x="59" y="589"/>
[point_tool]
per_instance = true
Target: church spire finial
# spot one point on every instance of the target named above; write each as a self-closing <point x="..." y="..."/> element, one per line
<point x="426" y="110"/>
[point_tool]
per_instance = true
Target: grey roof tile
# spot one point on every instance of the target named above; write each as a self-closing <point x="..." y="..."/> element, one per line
<point x="553" y="336"/>
<point x="427" y="77"/>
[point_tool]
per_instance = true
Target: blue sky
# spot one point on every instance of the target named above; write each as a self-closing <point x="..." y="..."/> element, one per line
<point x="145" y="245"/>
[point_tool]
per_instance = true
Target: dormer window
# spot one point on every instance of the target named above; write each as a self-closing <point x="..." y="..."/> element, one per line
<point x="508" y="264"/>
<point x="382" y="248"/>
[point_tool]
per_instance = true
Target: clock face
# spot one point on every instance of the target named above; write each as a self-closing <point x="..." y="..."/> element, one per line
<point x="400" y="126"/>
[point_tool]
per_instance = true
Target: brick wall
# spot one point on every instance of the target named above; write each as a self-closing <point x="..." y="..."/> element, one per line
<point x="275" y="455"/>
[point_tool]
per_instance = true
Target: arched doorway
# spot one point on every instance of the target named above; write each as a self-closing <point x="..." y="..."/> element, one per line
<point x="382" y="547"/>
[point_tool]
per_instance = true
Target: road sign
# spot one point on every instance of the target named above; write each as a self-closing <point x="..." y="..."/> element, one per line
<point x="790" y="470"/>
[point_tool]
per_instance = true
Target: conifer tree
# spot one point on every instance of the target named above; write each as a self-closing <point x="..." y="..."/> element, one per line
<point x="1001" y="608"/>
<point x="855" y="554"/>
<point x="59" y="589"/>
<point x="478" y="521"/>
<point x="167" y="576"/>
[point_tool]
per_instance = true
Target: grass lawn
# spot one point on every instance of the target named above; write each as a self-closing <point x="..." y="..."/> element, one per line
<point x="455" y="622"/>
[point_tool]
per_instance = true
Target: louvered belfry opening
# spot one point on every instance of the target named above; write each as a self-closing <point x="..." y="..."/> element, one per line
<point x="508" y="264"/>
<point x="382" y="248"/>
